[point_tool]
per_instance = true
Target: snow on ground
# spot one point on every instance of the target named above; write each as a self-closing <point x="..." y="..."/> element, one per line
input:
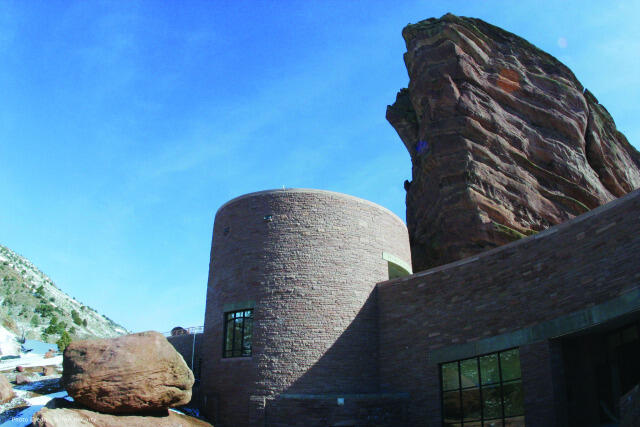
<point x="37" y="346"/>
<point x="28" y="400"/>
<point x="29" y="359"/>
<point x="23" y="418"/>
<point x="43" y="400"/>
<point x="8" y="343"/>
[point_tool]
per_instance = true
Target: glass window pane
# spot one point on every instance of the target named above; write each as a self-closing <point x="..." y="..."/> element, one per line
<point x="492" y="401"/>
<point x="450" y="376"/>
<point x="510" y="363"/>
<point x="471" y="405"/>
<point x="489" y="369"/>
<point x="451" y="406"/>
<point x="246" y="344"/>
<point x="513" y="402"/>
<point x="238" y="331"/>
<point x="483" y="391"/>
<point x="469" y="372"/>
<point x="228" y="344"/>
<point x="237" y="339"/>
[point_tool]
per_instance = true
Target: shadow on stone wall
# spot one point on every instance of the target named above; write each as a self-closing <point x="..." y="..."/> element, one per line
<point x="342" y="387"/>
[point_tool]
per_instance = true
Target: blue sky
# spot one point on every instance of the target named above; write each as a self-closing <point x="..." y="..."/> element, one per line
<point x="125" y="125"/>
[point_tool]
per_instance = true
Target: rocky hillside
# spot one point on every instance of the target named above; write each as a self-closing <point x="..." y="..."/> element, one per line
<point x="31" y="303"/>
<point x="503" y="138"/>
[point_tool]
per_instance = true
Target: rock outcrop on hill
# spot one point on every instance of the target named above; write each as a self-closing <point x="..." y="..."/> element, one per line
<point x="31" y="305"/>
<point x="132" y="374"/>
<point x="503" y="138"/>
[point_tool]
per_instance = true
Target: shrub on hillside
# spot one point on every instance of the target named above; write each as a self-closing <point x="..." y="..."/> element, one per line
<point x="40" y="291"/>
<point x="44" y="310"/>
<point x="64" y="341"/>
<point x="76" y="317"/>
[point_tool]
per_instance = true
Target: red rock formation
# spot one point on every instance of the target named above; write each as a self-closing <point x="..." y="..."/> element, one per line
<point x="134" y="373"/>
<point x="504" y="140"/>
<point x="22" y="379"/>
<point x="6" y="391"/>
<point x="76" y="417"/>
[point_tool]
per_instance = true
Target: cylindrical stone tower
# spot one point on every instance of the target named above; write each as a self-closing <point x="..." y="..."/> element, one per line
<point x="290" y="299"/>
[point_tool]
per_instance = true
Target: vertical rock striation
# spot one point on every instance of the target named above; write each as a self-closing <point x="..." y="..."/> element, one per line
<point x="504" y="140"/>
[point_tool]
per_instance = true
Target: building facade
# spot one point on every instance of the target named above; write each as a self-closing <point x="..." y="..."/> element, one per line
<point x="291" y="314"/>
<point x="313" y="318"/>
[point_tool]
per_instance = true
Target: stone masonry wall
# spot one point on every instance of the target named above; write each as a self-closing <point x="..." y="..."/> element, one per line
<point x="307" y="262"/>
<point x="356" y="411"/>
<point x="184" y="345"/>
<point x="587" y="261"/>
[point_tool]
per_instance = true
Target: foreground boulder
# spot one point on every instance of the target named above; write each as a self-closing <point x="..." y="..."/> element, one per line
<point x="69" y="417"/>
<point x="22" y="379"/>
<point x="6" y="391"/>
<point x="504" y="141"/>
<point x="134" y="373"/>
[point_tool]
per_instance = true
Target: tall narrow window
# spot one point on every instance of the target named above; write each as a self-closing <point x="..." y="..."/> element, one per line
<point x="238" y="330"/>
<point x="483" y="391"/>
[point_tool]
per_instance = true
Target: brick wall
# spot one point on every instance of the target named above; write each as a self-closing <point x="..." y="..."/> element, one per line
<point x="589" y="260"/>
<point x="308" y="272"/>
<point x="544" y="394"/>
<point x="184" y="345"/>
<point x="355" y="411"/>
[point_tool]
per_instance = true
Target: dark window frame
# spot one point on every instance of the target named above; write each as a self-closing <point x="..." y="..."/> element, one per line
<point x="244" y="346"/>
<point x="460" y="388"/>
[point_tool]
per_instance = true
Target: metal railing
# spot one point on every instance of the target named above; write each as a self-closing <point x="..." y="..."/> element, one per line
<point x="189" y="331"/>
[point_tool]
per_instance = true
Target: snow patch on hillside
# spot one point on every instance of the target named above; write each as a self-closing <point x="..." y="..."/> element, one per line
<point x="9" y="345"/>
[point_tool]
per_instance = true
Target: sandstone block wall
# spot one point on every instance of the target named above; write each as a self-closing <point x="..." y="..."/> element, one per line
<point x="361" y="411"/>
<point x="184" y="344"/>
<point x="307" y="262"/>
<point x="573" y="267"/>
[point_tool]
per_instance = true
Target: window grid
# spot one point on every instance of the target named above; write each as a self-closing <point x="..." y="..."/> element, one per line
<point x="503" y="418"/>
<point x="238" y="343"/>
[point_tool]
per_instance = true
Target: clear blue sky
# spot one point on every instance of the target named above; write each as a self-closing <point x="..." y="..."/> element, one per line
<point x="125" y="125"/>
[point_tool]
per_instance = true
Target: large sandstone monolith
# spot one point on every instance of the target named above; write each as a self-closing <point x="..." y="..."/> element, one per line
<point x="504" y="141"/>
<point x="134" y="373"/>
<point x="6" y="391"/>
